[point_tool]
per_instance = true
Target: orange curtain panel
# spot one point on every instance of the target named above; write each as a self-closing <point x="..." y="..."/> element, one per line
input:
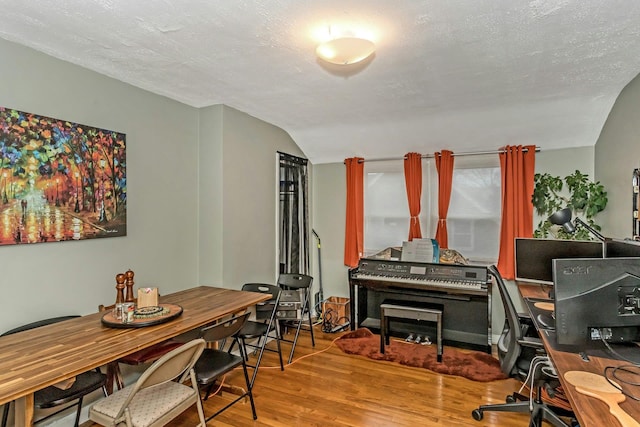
<point x="413" y="183"/>
<point x="444" y="166"/>
<point x="354" y="224"/>
<point x="517" y="164"/>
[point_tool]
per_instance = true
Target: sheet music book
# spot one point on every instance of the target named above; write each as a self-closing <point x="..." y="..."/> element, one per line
<point x="420" y="250"/>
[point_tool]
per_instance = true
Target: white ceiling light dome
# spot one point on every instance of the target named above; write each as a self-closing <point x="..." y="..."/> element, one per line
<point x="345" y="50"/>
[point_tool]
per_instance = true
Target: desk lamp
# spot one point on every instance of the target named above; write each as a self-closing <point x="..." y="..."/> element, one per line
<point x="563" y="218"/>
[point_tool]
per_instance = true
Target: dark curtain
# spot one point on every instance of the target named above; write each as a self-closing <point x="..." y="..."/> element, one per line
<point x="294" y="215"/>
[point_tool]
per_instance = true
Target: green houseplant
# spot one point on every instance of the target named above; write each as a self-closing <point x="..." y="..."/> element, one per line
<point x="584" y="197"/>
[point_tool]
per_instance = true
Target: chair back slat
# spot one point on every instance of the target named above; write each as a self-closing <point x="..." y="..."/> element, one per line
<point x="262" y="288"/>
<point x="39" y="323"/>
<point x="265" y="310"/>
<point x="295" y="281"/>
<point x="224" y="329"/>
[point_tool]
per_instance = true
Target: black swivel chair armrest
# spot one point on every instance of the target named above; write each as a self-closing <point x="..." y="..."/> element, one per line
<point x="531" y="342"/>
<point x="525" y="319"/>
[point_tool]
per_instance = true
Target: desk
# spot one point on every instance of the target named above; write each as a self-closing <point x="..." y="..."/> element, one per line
<point x="35" y="359"/>
<point x="590" y="412"/>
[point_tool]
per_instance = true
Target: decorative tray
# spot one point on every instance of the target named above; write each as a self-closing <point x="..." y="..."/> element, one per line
<point x="146" y="316"/>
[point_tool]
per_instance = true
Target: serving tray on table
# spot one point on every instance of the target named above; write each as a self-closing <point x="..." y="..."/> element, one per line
<point x="145" y="316"/>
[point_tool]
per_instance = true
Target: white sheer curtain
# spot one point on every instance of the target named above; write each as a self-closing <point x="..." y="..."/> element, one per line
<point x="473" y="220"/>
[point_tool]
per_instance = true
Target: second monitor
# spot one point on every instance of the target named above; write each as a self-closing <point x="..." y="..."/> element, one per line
<point x="618" y="248"/>
<point x="534" y="257"/>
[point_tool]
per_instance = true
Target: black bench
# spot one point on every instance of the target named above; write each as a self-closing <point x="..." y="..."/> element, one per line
<point x="401" y="310"/>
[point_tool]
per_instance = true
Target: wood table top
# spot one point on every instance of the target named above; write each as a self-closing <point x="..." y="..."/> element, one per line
<point x="37" y="358"/>
<point x="590" y="411"/>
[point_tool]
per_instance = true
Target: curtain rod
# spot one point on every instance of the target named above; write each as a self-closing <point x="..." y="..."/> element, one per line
<point x="431" y="156"/>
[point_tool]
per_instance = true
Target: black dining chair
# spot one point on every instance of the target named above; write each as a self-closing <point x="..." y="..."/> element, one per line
<point x="256" y="334"/>
<point x="53" y="396"/>
<point x="215" y="363"/>
<point x="298" y="283"/>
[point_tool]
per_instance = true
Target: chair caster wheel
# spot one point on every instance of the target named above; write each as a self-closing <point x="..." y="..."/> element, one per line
<point x="477" y="414"/>
<point x="510" y="399"/>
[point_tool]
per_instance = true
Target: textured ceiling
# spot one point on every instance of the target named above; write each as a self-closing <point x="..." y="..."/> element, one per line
<point x="447" y="74"/>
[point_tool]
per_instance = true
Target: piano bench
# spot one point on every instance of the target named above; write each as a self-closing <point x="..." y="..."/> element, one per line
<point x="414" y="312"/>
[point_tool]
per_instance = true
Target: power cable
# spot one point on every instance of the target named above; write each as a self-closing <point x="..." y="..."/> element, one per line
<point x="332" y="322"/>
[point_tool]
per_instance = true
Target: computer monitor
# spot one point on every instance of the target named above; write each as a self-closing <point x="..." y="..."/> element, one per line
<point x="616" y="248"/>
<point x="597" y="298"/>
<point x="534" y="256"/>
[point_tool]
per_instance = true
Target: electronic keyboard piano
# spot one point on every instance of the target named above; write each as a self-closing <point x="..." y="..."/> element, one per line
<point x="463" y="292"/>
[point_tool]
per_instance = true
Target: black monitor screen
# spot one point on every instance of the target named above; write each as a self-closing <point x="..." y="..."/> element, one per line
<point x="621" y="248"/>
<point x="534" y="256"/>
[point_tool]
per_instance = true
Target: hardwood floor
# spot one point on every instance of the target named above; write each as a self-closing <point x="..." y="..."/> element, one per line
<point x="325" y="387"/>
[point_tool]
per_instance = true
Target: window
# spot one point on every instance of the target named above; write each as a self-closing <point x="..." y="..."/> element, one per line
<point x="386" y="210"/>
<point x="473" y="220"/>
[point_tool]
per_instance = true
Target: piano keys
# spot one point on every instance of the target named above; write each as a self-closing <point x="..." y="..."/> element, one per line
<point x="463" y="292"/>
<point x="439" y="277"/>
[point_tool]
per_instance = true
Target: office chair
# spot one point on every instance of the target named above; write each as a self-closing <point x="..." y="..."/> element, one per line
<point x="301" y="283"/>
<point x="53" y="396"/>
<point x="517" y="349"/>
<point x="263" y="328"/>
<point x="155" y="398"/>
<point x="216" y="362"/>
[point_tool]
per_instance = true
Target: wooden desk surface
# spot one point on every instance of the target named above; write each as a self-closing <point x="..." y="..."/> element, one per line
<point x="34" y="359"/>
<point x="534" y="290"/>
<point x="590" y="411"/>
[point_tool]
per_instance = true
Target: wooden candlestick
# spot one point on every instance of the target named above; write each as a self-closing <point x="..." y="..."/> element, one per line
<point x="129" y="284"/>
<point x="120" y="278"/>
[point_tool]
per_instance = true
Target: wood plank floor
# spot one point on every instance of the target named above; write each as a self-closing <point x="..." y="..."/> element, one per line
<point x="325" y="387"/>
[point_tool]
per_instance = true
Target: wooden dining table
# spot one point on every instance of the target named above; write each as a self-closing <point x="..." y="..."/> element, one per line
<point x="37" y="358"/>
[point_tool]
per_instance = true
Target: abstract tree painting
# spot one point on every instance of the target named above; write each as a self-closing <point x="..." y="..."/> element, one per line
<point x="59" y="180"/>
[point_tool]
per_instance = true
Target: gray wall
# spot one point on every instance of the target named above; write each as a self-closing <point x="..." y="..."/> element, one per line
<point x="210" y="188"/>
<point x="617" y="154"/>
<point x="201" y="186"/>
<point x="329" y="210"/>
<point x="250" y="177"/>
<point x="50" y="279"/>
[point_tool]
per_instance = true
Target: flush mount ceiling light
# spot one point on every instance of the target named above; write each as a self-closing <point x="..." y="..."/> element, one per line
<point x="345" y="50"/>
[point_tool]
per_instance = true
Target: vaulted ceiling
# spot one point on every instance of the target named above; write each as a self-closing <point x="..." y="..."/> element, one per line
<point x="447" y="74"/>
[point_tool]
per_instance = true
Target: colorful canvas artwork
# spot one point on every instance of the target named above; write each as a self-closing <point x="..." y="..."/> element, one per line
<point x="59" y="180"/>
